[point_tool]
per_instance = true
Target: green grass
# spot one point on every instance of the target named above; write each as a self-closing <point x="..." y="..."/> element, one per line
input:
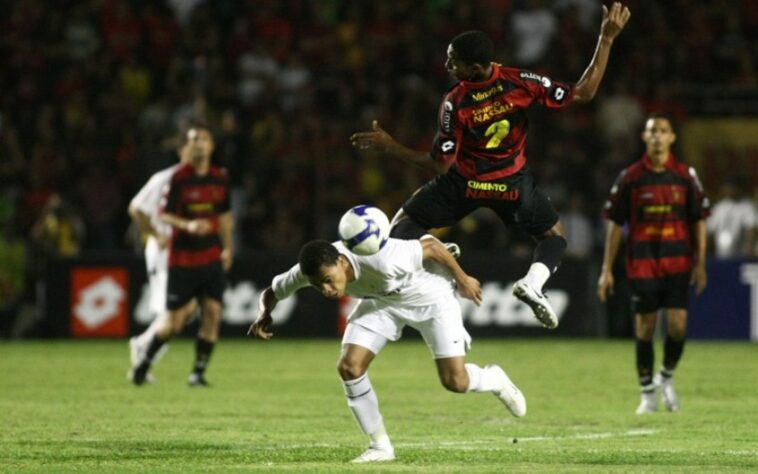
<point x="66" y="406"/>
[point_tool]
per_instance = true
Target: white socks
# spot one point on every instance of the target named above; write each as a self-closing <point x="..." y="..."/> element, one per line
<point x="364" y="404"/>
<point x="482" y="380"/>
<point x="537" y="275"/>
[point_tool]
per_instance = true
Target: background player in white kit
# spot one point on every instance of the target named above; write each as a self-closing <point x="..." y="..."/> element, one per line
<point x="396" y="290"/>
<point x="144" y="210"/>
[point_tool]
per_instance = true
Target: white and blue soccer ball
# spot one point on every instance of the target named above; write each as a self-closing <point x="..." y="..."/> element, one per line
<point x="364" y="229"/>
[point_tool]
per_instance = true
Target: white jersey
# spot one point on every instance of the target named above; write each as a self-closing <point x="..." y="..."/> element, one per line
<point x="394" y="275"/>
<point x="148" y="199"/>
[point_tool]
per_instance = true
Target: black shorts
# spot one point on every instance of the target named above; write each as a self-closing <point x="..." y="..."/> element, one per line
<point x="448" y="198"/>
<point x="669" y="292"/>
<point x="185" y="283"/>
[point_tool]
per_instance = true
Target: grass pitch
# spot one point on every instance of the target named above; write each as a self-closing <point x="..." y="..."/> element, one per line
<point x="66" y="406"/>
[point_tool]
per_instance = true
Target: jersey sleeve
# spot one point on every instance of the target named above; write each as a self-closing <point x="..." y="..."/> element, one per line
<point x="170" y="198"/>
<point x="618" y="206"/>
<point x="148" y="197"/>
<point x="698" y="206"/>
<point x="408" y="255"/>
<point x="544" y="90"/>
<point x="287" y="283"/>
<point x="449" y="132"/>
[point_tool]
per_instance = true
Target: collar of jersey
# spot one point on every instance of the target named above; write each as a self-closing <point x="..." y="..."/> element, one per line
<point x="484" y="83"/>
<point x="648" y="163"/>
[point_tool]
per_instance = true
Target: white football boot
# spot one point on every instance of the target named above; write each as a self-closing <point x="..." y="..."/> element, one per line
<point x="666" y="386"/>
<point x="537" y="301"/>
<point x="453" y="249"/>
<point x="509" y="394"/>
<point x="376" y="454"/>
<point x="648" y="403"/>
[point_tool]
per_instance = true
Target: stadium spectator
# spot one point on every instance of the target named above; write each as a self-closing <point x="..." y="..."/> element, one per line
<point x="733" y="225"/>
<point x="397" y="291"/>
<point x="201" y="251"/>
<point x="661" y="201"/>
<point x="479" y="151"/>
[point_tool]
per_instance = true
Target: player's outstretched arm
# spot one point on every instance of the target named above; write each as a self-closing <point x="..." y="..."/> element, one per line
<point x="468" y="286"/>
<point x="261" y="327"/>
<point x="614" y="20"/>
<point x="379" y="140"/>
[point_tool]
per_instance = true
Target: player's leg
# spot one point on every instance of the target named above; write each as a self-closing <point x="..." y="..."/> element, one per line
<point x="157" y="273"/>
<point x="207" y="336"/>
<point x="536" y="215"/>
<point x="676" y="333"/>
<point x="359" y="347"/>
<point x="441" y="326"/>
<point x="174" y="325"/>
<point x="645" y="320"/>
<point x="179" y="306"/>
<point x="439" y="203"/>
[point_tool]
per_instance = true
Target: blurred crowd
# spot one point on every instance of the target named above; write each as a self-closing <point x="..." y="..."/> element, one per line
<point x="95" y="91"/>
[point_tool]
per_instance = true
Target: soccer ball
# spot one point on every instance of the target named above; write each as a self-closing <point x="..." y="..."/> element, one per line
<point x="364" y="229"/>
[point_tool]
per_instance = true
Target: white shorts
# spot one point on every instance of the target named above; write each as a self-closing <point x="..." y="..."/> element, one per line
<point x="373" y="323"/>
<point x="156" y="261"/>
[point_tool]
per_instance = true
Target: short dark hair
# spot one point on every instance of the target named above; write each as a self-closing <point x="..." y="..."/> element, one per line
<point x="662" y="116"/>
<point x="316" y="254"/>
<point x="474" y="47"/>
<point x="196" y="125"/>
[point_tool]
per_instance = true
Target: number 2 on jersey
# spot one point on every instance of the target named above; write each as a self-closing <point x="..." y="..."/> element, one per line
<point x="498" y="130"/>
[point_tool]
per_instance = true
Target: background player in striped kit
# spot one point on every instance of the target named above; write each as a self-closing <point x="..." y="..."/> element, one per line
<point x="201" y="250"/>
<point x="144" y="209"/>
<point x="663" y="204"/>
<point x="479" y="151"/>
<point x="408" y="282"/>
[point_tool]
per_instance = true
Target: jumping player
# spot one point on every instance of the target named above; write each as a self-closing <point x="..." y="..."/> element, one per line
<point x="479" y="151"/>
<point x="396" y="290"/>
<point x="200" y="251"/>
<point x="662" y="202"/>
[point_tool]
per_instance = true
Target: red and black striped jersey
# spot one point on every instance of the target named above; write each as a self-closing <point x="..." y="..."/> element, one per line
<point x="660" y="208"/>
<point x="483" y="125"/>
<point x="191" y="196"/>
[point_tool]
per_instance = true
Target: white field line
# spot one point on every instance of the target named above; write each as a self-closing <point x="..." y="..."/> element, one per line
<point x="485" y="444"/>
<point x="470" y="445"/>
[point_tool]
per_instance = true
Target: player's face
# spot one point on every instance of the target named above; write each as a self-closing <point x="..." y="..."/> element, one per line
<point x="330" y="281"/>
<point x="457" y="68"/>
<point x="199" y="143"/>
<point x="658" y="136"/>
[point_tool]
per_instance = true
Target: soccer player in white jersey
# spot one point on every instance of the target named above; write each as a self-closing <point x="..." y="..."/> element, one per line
<point x="406" y="282"/>
<point x="144" y="209"/>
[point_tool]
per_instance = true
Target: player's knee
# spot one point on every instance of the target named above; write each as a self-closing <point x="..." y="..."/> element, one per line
<point x="350" y="369"/>
<point x="455" y="381"/>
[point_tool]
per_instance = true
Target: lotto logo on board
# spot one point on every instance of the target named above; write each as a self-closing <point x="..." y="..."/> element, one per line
<point x="99" y="302"/>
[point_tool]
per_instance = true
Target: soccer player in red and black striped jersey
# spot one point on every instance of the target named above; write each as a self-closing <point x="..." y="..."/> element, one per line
<point x="661" y="201"/>
<point x="479" y="150"/>
<point x="200" y="251"/>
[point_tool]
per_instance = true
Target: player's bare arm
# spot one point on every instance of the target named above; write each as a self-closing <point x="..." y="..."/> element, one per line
<point x="381" y="141"/>
<point x="614" y="20"/>
<point x="261" y="327"/>
<point x="699" y="277"/>
<point x="226" y="229"/>
<point x="468" y="286"/>
<point x="191" y="226"/>
<point x="612" y="243"/>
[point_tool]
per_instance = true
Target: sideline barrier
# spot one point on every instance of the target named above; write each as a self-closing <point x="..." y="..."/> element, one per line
<point x="106" y="296"/>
